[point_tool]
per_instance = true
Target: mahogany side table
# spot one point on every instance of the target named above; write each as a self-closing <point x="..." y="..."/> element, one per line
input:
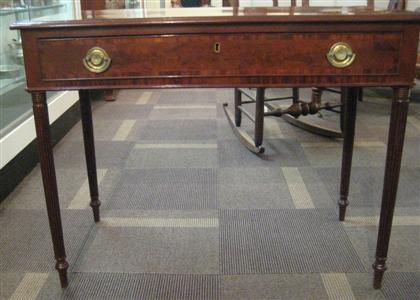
<point x="219" y="47"/>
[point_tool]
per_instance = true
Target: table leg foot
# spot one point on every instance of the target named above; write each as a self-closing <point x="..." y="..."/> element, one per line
<point x="62" y="266"/>
<point x="95" y="204"/>
<point x="379" y="268"/>
<point x="342" y="206"/>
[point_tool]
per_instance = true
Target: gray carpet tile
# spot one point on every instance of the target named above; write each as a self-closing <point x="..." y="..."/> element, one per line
<point x="9" y="282"/>
<point x="151" y="250"/>
<point x="165" y="189"/>
<point x="26" y="240"/>
<point x="375" y="211"/>
<point x="292" y="132"/>
<point x="71" y="182"/>
<point x="403" y="249"/>
<point x="250" y="176"/>
<point x="279" y="152"/>
<point x="272" y="129"/>
<point x="317" y="189"/>
<point x="367" y="183"/>
<point x="263" y="196"/>
<point x="361" y="286"/>
<point x="411" y="152"/>
<point x="71" y="154"/>
<point x="183" y="97"/>
<point x="224" y="131"/>
<point x="224" y="95"/>
<point x="220" y="113"/>
<point x="161" y="214"/>
<point x="273" y="286"/>
<point x="204" y="113"/>
<point x="108" y="185"/>
<point x="137" y="97"/>
<point x="284" y="241"/>
<point x="136" y="286"/>
<point x="175" y="130"/>
<point x="183" y="157"/>
<point x="122" y="111"/>
<point x="319" y="156"/>
<point x="103" y="130"/>
<point x="402" y="285"/>
<point x="252" y="188"/>
<point x="30" y="193"/>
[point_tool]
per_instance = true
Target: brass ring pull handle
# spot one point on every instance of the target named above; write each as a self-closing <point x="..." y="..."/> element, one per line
<point x="97" y="60"/>
<point x="341" y="55"/>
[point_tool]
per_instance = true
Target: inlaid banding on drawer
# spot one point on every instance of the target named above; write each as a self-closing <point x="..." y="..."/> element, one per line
<point x="256" y="54"/>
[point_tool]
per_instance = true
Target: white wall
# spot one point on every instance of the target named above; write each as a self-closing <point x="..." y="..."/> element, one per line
<point x="20" y="137"/>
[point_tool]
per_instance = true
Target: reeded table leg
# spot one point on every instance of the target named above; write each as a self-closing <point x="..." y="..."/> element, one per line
<point x="392" y="173"/>
<point x="40" y="109"/>
<point x="350" y="105"/>
<point x="88" y="138"/>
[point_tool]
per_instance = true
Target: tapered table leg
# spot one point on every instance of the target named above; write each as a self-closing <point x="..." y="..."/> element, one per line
<point x="259" y="117"/>
<point x="238" y="102"/>
<point x="42" y="125"/>
<point x="392" y="173"/>
<point x="350" y="104"/>
<point x="88" y="138"/>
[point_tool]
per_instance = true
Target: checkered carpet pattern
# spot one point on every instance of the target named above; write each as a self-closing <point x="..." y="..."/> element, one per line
<point x="189" y="213"/>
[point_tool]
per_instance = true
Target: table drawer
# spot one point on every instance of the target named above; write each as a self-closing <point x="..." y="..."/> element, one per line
<point x="217" y="55"/>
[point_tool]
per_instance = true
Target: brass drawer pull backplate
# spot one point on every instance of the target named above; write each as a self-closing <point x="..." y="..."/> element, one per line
<point x="97" y="60"/>
<point x="341" y="55"/>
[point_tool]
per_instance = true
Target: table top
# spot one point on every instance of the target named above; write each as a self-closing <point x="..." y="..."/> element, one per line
<point x="220" y="15"/>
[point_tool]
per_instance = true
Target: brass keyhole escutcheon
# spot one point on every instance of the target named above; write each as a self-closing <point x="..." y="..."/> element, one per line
<point x="97" y="60"/>
<point x="217" y="47"/>
<point x="341" y="55"/>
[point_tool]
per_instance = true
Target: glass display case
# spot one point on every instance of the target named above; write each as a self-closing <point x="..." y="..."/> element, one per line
<point x="15" y="103"/>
